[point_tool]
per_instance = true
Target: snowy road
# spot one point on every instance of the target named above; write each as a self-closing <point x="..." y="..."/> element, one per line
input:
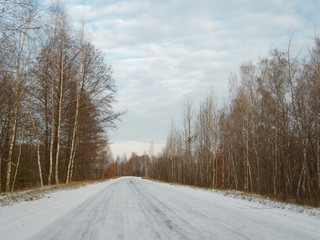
<point x="133" y="208"/>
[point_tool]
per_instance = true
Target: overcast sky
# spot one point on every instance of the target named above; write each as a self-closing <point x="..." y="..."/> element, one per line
<point x="166" y="51"/>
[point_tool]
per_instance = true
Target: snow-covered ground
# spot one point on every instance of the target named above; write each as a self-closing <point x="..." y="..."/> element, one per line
<point x="22" y="220"/>
<point x="134" y="208"/>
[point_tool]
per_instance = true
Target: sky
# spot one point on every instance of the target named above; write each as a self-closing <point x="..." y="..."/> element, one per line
<point x="164" y="52"/>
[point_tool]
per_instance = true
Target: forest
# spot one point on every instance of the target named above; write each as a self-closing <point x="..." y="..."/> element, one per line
<point x="265" y="139"/>
<point x="56" y="99"/>
<point x="56" y="108"/>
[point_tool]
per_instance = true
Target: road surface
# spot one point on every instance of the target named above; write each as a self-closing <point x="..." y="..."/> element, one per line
<point x="133" y="208"/>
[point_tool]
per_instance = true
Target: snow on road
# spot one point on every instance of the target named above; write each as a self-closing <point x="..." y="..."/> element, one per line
<point x="133" y="208"/>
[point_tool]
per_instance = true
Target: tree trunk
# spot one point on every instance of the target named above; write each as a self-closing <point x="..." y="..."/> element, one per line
<point x="52" y="96"/>
<point x="52" y="133"/>
<point x="13" y="135"/>
<point x="18" y="161"/>
<point x="75" y="126"/>
<point x="0" y="173"/>
<point x="59" y="110"/>
<point x="38" y="144"/>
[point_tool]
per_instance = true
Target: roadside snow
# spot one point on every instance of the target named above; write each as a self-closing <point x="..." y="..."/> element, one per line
<point x="263" y="202"/>
<point x="22" y="220"/>
<point x="269" y="203"/>
<point x="130" y="208"/>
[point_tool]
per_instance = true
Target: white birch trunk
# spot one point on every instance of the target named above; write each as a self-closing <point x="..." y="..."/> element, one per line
<point x="71" y="171"/>
<point x="52" y="134"/>
<point x="38" y="144"/>
<point x="13" y="135"/>
<point x="59" y="113"/>
<point x="16" y="98"/>
<point x="52" y="130"/>
<point x="18" y="162"/>
<point x="72" y="151"/>
<point x="52" y="97"/>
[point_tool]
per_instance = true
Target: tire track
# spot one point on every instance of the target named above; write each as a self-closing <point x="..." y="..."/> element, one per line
<point x="65" y="226"/>
<point x="132" y="208"/>
<point x="164" y="215"/>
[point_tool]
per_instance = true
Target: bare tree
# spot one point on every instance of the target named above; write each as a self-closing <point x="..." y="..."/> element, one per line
<point x="19" y="52"/>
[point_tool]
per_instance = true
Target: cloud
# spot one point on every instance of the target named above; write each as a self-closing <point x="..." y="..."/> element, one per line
<point x="127" y="147"/>
<point x="163" y="51"/>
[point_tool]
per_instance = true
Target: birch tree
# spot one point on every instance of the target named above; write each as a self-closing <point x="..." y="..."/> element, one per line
<point x="75" y="126"/>
<point x="16" y="41"/>
<point x="62" y="83"/>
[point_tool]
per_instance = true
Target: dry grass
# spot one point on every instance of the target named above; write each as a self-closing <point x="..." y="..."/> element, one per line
<point x="263" y="200"/>
<point x="41" y="192"/>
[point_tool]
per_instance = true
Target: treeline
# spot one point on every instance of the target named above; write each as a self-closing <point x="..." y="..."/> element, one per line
<point x="134" y="166"/>
<point x="266" y="140"/>
<point x="56" y="98"/>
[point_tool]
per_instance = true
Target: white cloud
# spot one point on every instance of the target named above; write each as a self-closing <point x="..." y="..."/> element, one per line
<point x="165" y="50"/>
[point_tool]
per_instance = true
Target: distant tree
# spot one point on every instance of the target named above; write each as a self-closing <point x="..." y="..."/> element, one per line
<point x="265" y="139"/>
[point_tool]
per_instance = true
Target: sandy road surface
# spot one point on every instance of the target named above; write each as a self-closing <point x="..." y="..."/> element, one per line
<point x="133" y="208"/>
